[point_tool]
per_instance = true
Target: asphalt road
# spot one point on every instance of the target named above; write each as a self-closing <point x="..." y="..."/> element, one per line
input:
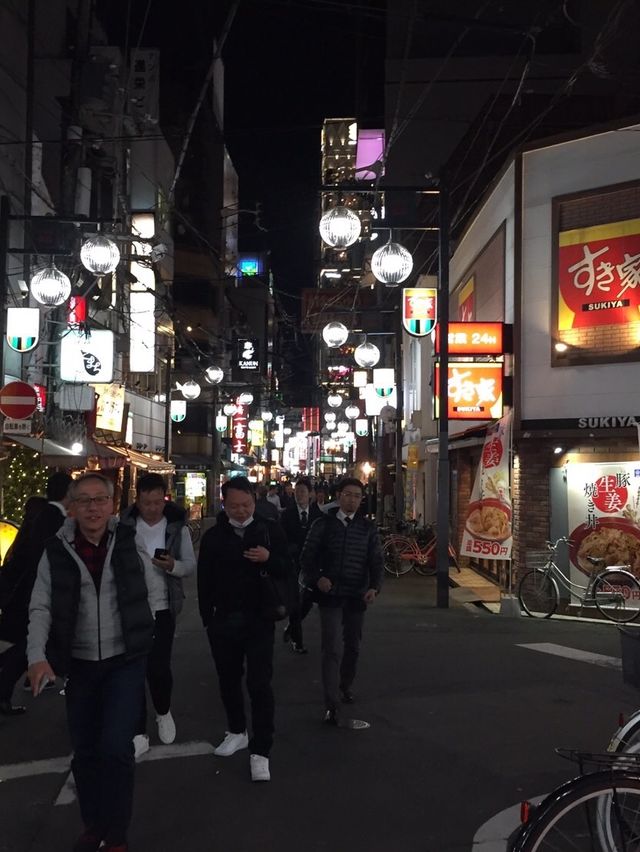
<point x="463" y="725"/>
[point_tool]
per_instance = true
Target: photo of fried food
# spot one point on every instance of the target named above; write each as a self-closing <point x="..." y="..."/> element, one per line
<point x="489" y="522"/>
<point x="613" y="545"/>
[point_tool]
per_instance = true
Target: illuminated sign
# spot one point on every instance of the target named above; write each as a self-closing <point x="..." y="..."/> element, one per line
<point x="466" y="301"/>
<point x="250" y="266"/>
<point x="240" y="430"/>
<point x="23" y="328"/>
<point x="178" y="410"/>
<point x="87" y="358"/>
<point x="369" y="154"/>
<point x="110" y="407"/>
<point x="598" y="275"/>
<point x="474" y="390"/>
<point x="474" y="338"/>
<point x="142" y="332"/>
<point x="419" y="306"/>
<point x="248" y="355"/>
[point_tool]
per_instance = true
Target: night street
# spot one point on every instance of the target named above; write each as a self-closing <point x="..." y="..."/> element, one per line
<point x="463" y="725"/>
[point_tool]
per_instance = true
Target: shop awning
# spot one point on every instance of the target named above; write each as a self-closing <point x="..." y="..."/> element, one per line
<point x="57" y="455"/>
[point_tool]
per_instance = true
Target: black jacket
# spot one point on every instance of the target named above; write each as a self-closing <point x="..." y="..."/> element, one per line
<point x="351" y="557"/>
<point x="293" y="529"/>
<point x="229" y="583"/>
<point x="131" y="591"/>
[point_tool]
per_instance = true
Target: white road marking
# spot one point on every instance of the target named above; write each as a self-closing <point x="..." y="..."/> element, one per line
<point x="493" y="835"/>
<point x="575" y="654"/>
<point x="59" y="765"/>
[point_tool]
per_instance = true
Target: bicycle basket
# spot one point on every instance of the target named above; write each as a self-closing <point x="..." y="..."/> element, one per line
<point x="630" y="646"/>
<point x="594" y="761"/>
<point x="537" y="558"/>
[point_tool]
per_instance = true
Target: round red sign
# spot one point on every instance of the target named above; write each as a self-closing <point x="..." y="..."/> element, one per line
<point x="18" y="400"/>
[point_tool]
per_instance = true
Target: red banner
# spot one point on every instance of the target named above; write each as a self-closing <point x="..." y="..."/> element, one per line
<point x="598" y="275"/>
<point x="240" y="430"/>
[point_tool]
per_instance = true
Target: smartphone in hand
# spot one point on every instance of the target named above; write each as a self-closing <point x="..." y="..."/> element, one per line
<point x="160" y="553"/>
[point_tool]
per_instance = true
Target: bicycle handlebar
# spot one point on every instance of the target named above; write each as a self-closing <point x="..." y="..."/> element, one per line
<point x="552" y="545"/>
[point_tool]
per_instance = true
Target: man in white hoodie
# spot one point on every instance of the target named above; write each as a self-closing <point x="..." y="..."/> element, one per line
<point x="90" y="619"/>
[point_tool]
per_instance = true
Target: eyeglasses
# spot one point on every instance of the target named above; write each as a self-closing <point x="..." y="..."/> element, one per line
<point x="354" y="494"/>
<point x="100" y="500"/>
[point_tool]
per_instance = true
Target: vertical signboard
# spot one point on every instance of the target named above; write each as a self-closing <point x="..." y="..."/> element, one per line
<point x="487" y="531"/>
<point x="419" y="310"/>
<point x="240" y="430"/>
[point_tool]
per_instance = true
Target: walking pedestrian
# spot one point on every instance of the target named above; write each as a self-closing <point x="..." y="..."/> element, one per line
<point x="161" y="526"/>
<point x="233" y="555"/>
<point x="17" y="577"/>
<point x="342" y="559"/>
<point x="296" y="522"/>
<point x="90" y="619"/>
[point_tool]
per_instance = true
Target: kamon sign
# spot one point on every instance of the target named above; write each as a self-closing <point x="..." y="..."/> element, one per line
<point x="248" y="354"/>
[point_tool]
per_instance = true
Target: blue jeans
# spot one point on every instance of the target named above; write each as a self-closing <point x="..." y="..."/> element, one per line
<point x="104" y="699"/>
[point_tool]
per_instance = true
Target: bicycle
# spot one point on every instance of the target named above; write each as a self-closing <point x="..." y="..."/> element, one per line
<point x="415" y="550"/>
<point x="613" y="590"/>
<point x="598" y="810"/>
<point x="194" y="531"/>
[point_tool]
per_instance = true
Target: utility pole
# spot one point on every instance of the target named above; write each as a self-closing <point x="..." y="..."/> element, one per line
<point x="444" y="496"/>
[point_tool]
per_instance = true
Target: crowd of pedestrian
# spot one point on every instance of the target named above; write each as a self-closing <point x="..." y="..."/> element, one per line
<point x="93" y="599"/>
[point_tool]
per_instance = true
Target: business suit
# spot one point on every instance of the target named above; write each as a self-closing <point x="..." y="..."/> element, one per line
<point x="296" y="533"/>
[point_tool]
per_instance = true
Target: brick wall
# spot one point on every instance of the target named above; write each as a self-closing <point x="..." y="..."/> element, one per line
<point x="531" y="500"/>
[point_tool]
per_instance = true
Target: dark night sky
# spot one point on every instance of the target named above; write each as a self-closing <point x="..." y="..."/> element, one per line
<point x="288" y="65"/>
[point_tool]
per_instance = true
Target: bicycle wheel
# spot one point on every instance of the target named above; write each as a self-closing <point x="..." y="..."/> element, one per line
<point x="396" y="550"/>
<point x="425" y="564"/>
<point x="617" y="595"/>
<point x="627" y="737"/>
<point x="599" y="811"/>
<point x="538" y="594"/>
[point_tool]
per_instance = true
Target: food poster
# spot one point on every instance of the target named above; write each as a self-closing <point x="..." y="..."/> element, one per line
<point x="604" y="516"/>
<point x="487" y="532"/>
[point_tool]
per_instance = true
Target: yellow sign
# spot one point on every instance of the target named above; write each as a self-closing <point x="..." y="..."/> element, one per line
<point x="412" y="456"/>
<point x="110" y="407"/>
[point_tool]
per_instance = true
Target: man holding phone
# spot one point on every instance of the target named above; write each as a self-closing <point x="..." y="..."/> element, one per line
<point x="160" y="526"/>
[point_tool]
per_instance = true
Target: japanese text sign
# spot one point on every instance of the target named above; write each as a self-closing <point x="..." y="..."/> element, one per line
<point x="473" y="338"/>
<point x="474" y="390"/>
<point x="240" y="430"/>
<point x="598" y="275"/>
<point x="487" y="530"/>
<point x="419" y="306"/>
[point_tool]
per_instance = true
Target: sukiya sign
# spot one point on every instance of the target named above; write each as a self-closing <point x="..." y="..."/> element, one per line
<point x="248" y="355"/>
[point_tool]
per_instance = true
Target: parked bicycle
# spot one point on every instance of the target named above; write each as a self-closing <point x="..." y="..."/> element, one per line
<point x="415" y="549"/>
<point x="194" y="531"/>
<point x="613" y="591"/>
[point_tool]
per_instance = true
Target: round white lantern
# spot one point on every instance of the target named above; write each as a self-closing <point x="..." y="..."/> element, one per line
<point x="221" y="423"/>
<point x="229" y="409"/>
<point x="190" y="390"/>
<point x="366" y="355"/>
<point x="340" y="227"/>
<point x="267" y="416"/>
<point x="214" y="375"/>
<point x="99" y="255"/>
<point x="335" y="334"/>
<point x="245" y="398"/>
<point x="352" y="411"/>
<point x="50" y="287"/>
<point x="392" y="264"/>
<point x="330" y="417"/>
<point x="334" y="400"/>
<point x="342" y="427"/>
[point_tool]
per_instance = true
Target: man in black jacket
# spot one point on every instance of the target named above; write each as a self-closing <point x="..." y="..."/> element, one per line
<point x="233" y="555"/>
<point x="342" y="559"/>
<point x="296" y="522"/>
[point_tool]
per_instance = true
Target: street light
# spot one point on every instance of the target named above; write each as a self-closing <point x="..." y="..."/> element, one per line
<point x="391" y="264"/>
<point x="335" y="334"/>
<point x="99" y="255"/>
<point x="214" y="375"/>
<point x="367" y="354"/>
<point x="190" y="390"/>
<point x="340" y="227"/>
<point x="50" y="287"/>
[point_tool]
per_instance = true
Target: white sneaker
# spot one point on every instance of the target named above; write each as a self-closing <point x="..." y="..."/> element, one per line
<point x="166" y="728"/>
<point x="259" y="768"/>
<point x="231" y="744"/>
<point x="140" y="745"/>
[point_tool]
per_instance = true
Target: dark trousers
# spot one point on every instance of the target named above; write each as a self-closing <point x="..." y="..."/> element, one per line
<point x="103" y="707"/>
<point x="159" y="675"/>
<point x="299" y="612"/>
<point x="13" y="664"/>
<point x="338" y="672"/>
<point x="235" y="641"/>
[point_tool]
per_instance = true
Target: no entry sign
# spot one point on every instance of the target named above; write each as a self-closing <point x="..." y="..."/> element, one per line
<point x="18" y="400"/>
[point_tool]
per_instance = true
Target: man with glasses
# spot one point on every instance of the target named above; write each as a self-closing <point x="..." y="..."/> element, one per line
<point x="90" y="618"/>
<point x="342" y="559"/>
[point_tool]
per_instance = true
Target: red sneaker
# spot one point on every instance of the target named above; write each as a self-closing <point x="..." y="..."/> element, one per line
<point x="87" y="842"/>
